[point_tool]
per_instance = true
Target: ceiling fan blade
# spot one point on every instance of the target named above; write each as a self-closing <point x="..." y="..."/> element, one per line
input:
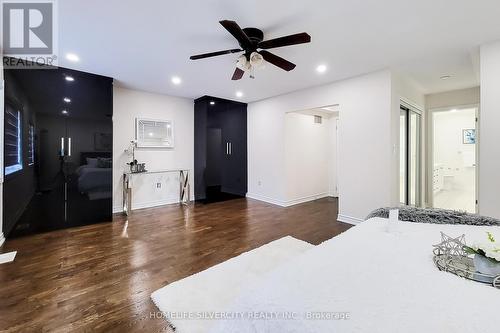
<point x="235" y="30"/>
<point x="238" y="74"/>
<point x="277" y="61"/>
<point x="213" y="54"/>
<point x="300" y="38"/>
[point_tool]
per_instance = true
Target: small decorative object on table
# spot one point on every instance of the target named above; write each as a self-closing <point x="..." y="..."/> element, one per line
<point x="452" y="255"/>
<point x="135" y="167"/>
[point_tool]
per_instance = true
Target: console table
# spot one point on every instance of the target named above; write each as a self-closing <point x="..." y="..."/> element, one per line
<point x="184" y="186"/>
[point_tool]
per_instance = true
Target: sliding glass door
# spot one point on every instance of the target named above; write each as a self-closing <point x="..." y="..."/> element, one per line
<point x="410" y="156"/>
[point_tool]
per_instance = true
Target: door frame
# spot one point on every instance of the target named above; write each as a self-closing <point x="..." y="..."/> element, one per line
<point x="430" y="149"/>
<point x="421" y="144"/>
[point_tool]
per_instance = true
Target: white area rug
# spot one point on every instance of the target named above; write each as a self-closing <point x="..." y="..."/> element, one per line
<point x="209" y="293"/>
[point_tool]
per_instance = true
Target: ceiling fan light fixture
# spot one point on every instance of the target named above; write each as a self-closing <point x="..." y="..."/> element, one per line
<point x="243" y="63"/>
<point x="256" y="60"/>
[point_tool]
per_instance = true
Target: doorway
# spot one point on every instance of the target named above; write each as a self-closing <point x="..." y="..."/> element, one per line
<point x="410" y="121"/>
<point x="311" y="154"/>
<point x="454" y="159"/>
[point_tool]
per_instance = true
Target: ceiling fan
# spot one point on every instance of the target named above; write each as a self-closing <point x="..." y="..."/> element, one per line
<point x="251" y="40"/>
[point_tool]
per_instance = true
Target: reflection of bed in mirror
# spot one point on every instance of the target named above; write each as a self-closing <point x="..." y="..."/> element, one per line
<point x="95" y="175"/>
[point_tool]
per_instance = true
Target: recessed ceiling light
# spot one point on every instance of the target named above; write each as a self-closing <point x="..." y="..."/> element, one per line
<point x="67" y="100"/>
<point x="176" y="80"/>
<point x="445" y="77"/>
<point x="454" y="110"/>
<point x="239" y="94"/>
<point x="72" y="57"/>
<point x="321" y="68"/>
<point x="69" y="78"/>
<point x="64" y="112"/>
<point x="212" y="103"/>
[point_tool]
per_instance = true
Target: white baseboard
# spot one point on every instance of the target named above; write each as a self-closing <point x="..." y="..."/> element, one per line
<point x="2" y="238"/>
<point x="297" y="201"/>
<point x="5" y="258"/>
<point x="266" y="199"/>
<point x="287" y="203"/>
<point x="349" y="219"/>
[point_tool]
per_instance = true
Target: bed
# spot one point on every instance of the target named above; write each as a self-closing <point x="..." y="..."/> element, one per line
<point x="95" y="175"/>
<point x="371" y="278"/>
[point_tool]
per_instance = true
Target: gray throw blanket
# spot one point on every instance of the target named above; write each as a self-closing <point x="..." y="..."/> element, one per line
<point x="436" y="216"/>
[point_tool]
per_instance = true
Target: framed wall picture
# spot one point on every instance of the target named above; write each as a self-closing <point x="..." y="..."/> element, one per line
<point x="154" y="133"/>
<point x="469" y="136"/>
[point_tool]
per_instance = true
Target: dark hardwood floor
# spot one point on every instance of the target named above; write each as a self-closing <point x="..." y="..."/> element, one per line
<point x="99" y="278"/>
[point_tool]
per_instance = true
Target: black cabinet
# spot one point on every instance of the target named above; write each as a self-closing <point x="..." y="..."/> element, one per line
<point x="220" y="152"/>
<point x="64" y="177"/>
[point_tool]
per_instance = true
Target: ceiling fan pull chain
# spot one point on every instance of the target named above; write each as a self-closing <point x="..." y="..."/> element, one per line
<point x="252" y="72"/>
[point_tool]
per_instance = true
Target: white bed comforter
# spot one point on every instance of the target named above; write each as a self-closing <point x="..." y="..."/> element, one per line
<point x="385" y="281"/>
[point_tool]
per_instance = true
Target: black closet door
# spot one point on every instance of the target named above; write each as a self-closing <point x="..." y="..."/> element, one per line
<point x="234" y="132"/>
<point x="89" y="136"/>
<point x="50" y="194"/>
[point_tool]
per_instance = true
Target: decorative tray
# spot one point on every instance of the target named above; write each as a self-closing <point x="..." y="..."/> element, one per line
<point x="450" y="256"/>
<point x="464" y="267"/>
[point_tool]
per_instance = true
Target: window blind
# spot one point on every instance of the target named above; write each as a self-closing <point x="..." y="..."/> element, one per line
<point x="12" y="140"/>
<point x="31" y="145"/>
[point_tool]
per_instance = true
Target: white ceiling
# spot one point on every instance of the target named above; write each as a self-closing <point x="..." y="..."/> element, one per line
<point x="142" y="44"/>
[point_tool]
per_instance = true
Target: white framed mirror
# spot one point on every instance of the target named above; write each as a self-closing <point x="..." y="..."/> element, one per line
<point x="154" y="133"/>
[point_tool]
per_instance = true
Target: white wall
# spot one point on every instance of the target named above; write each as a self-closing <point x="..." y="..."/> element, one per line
<point x="489" y="133"/>
<point x="408" y="91"/>
<point x="470" y="96"/>
<point x="129" y="104"/>
<point x="365" y="142"/>
<point x="307" y="158"/>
